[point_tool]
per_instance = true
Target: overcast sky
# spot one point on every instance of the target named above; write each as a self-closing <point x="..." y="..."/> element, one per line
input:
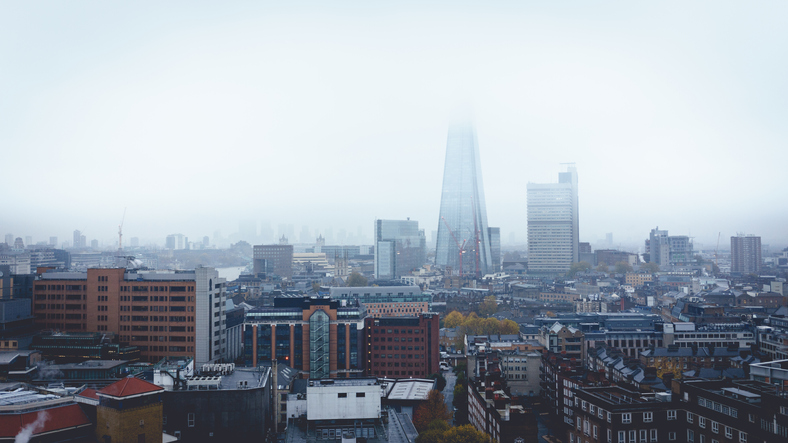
<point x="196" y="115"/>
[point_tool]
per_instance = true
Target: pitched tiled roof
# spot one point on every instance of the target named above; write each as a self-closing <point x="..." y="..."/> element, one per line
<point x="63" y="417"/>
<point x="129" y="386"/>
<point x="89" y="393"/>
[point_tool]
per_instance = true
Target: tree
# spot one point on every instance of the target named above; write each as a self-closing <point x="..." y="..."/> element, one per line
<point x="623" y="267"/>
<point x="356" y="280"/>
<point x="510" y="327"/>
<point x="489" y="326"/>
<point x="578" y="267"/>
<point x="434" y="433"/>
<point x="460" y="403"/>
<point x="650" y="267"/>
<point x="433" y="409"/>
<point x="488" y="307"/>
<point x="441" y="384"/>
<point x="465" y="434"/>
<point x="602" y="267"/>
<point x="454" y="319"/>
<point x="316" y="287"/>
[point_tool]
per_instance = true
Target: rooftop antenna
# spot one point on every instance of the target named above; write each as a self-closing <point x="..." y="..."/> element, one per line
<point x="120" y="231"/>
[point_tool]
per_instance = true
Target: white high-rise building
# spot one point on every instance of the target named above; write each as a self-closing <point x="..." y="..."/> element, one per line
<point x="553" y="224"/>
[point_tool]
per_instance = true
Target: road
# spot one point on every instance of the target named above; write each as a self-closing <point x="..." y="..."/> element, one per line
<point x="448" y="391"/>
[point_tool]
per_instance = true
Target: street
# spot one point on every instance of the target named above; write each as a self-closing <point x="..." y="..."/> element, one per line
<point x="448" y="391"/>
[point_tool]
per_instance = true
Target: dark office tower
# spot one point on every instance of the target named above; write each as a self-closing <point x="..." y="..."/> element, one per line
<point x="495" y="248"/>
<point x="400" y="247"/>
<point x="463" y="239"/>
<point x="746" y="254"/>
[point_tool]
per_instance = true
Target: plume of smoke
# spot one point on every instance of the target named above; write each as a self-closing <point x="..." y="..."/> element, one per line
<point x="47" y="373"/>
<point x="27" y="432"/>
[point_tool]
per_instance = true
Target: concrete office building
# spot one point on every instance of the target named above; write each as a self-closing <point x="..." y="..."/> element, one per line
<point x="175" y="313"/>
<point x="495" y="248"/>
<point x="553" y="224"/>
<point x="273" y="260"/>
<point x="400" y="247"/>
<point x="462" y="226"/>
<point x="666" y="250"/>
<point x="746" y="254"/>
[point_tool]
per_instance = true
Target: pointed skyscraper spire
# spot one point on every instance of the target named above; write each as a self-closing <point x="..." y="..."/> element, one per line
<point x="463" y="238"/>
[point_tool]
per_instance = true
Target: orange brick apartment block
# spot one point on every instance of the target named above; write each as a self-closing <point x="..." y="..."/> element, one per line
<point x="155" y="311"/>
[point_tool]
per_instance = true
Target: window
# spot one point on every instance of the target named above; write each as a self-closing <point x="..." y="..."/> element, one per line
<point x="702" y="422"/>
<point x="648" y="417"/>
<point x="653" y="435"/>
<point x="672" y="414"/>
<point x="626" y="418"/>
<point x="360" y="394"/>
<point x="689" y="417"/>
<point x="609" y="417"/>
<point x="601" y="413"/>
<point x="690" y="435"/>
<point x="596" y="431"/>
<point x="190" y="419"/>
<point x="715" y="427"/>
<point x="671" y="435"/>
<point x="342" y="395"/>
<point x="633" y="436"/>
<point x="728" y="432"/>
<point x="643" y="436"/>
<point x="742" y="437"/>
<point x="609" y="436"/>
<point x="622" y="436"/>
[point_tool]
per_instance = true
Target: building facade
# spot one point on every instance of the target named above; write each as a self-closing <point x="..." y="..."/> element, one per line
<point x="400" y="247"/>
<point x="553" y="224"/>
<point x="386" y="301"/>
<point x="402" y="347"/>
<point x="315" y="335"/>
<point x="746" y="254"/>
<point x="180" y="313"/>
<point x="273" y="260"/>
<point x="463" y="237"/>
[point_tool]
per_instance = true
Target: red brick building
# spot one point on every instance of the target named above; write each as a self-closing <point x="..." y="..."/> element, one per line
<point x="402" y="346"/>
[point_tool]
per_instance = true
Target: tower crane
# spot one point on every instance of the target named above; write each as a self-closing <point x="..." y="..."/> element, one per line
<point x="120" y="231"/>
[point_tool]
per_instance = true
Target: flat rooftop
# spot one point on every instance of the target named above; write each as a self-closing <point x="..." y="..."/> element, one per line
<point x="344" y="382"/>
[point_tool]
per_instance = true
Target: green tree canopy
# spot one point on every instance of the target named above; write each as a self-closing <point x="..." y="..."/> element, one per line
<point x="650" y="267"/>
<point x="578" y="267"/>
<point x="623" y="267"/>
<point x="356" y="280"/>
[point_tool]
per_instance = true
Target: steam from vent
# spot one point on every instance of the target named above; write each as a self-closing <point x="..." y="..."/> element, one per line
<point x="27" y="432"/>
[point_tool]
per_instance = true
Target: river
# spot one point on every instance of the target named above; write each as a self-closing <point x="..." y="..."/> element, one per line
<point x="231" y="273"/>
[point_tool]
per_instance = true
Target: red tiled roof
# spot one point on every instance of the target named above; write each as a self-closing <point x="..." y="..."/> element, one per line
<point x="88" y="393"/>
<point x="63" y="417"/>
<point x="129" y="386"/>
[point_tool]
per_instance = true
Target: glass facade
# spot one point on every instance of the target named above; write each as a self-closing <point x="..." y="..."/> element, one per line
<point x="462" y="226"/>
<point x="400" y="247"/>
<point x="318" y="345"/>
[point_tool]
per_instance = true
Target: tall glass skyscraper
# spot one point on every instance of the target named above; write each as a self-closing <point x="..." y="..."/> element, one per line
<point x="463" y="236"/>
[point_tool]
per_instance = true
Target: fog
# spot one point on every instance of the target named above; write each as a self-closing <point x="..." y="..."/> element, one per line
<point x="195" y="116"/>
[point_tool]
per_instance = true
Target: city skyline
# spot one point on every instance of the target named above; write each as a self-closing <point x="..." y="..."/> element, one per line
<point x="134" y="116"/>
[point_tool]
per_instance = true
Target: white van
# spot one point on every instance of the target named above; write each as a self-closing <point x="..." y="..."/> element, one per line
<point x="444" y="366"/>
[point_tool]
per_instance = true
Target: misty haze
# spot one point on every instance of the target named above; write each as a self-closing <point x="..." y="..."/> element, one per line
<point x="217" y="212"/>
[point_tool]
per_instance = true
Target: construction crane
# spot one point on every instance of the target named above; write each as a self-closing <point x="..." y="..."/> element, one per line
<point x="459" y="247"/>
<point x="120" y="231"/>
